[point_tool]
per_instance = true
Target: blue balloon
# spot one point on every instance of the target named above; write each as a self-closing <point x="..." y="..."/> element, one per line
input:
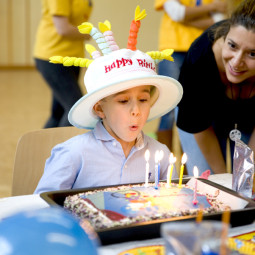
<point x="49" y="231"/>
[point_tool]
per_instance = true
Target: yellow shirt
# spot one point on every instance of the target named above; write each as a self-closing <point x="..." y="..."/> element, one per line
<point x="173" y="34"/>
<point x="48" y="42"/>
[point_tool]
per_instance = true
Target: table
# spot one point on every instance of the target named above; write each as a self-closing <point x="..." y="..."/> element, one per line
<point x="12" y="205"/>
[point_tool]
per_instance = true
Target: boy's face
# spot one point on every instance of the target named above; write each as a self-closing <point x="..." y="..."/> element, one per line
<point x="124" y="114"/>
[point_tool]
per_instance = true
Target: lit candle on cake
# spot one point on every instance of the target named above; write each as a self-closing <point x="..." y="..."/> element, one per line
<point x="147" y="157"/>
<point x="184" y="159"/>
<point x="172" y="160"/>
<point x="195" y="173"/>
<point x="156" y="169"/>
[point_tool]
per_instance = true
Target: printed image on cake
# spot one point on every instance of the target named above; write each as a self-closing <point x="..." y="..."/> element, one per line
<point x="152" y="250"/>
<point x="124" y="205"/>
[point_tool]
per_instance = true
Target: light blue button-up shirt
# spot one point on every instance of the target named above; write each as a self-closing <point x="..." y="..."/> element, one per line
<point x="97" y="159"/>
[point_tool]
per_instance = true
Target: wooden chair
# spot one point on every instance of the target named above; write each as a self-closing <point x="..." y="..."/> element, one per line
<point x="31" y="153"/>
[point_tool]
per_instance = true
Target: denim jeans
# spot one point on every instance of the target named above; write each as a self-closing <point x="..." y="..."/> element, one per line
<point x="63" y="82"/>
<point x="171" y="69"/>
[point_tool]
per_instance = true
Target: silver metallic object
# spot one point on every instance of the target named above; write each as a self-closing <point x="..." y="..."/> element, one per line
<point x="243" y="169"/>
<point x="235" y="134"/>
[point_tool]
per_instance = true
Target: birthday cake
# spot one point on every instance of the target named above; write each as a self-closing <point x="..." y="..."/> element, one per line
<point x="131" y="204"/>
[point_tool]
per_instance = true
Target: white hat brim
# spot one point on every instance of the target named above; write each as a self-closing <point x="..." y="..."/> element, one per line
<point x="170" y="93"/>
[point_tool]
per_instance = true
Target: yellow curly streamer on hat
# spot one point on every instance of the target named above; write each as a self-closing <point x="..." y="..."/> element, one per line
<point x="71" y="61"/>
<point x="85" y="28"/>
<point x="139" y="15"/>
<point x="106" y="26"/>
<point x="160" y="55"/>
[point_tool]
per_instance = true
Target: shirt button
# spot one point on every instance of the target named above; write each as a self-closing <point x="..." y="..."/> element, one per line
<point x="125" y="166"/>
<point x="114" y="144"/>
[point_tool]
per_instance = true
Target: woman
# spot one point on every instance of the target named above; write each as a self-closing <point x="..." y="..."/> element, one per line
<point x="58" y="35"/>
<point x="218" y="77"/>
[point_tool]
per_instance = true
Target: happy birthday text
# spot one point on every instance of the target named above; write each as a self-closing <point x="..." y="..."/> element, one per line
<point x="118" y="63"/>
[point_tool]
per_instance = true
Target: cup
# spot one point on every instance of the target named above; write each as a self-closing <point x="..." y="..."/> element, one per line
<point x="191" y="238"/>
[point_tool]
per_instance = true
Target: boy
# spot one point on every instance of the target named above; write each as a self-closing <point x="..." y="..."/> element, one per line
<point x="123" y="92"/>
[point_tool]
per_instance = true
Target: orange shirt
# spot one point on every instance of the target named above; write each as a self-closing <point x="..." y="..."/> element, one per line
<point x="48" y="42"/>
<point x="175" y="35"/>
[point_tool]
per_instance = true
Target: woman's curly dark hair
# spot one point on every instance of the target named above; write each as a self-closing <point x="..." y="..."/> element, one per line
<point x="243" y="15"/>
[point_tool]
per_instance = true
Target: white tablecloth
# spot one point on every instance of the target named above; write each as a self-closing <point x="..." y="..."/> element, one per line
<point x="12" y="205"/>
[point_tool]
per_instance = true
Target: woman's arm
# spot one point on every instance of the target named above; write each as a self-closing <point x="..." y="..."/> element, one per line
<point x="66" y="29"/>
<point x="197" y="16"/>
<point x="209" y="145"/>
<point x="197" y="12"/>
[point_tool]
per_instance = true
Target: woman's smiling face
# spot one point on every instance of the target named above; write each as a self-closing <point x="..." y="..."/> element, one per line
<point x="238" y="54"/>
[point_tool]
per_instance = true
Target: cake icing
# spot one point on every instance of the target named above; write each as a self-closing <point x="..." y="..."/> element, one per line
<point x="124" y="205"/>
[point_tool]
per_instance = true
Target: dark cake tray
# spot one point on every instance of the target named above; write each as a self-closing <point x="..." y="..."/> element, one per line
<point x="148" y="230"/>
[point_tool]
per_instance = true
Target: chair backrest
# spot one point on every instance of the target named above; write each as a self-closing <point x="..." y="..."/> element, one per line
<point x="32" y="150"/>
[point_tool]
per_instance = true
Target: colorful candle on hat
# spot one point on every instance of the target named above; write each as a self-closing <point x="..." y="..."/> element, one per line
<point x="88" y="28"/>
<point x="105" y="28"/>
<point x="147" y="157"/>
<point x="134" y="28"/>
<point x="184" y="159"/>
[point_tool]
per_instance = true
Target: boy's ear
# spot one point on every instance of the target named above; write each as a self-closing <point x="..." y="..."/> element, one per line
<point x="98" y="110"/>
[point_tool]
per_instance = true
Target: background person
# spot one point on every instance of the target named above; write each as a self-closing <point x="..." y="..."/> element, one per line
<point x="218" y="77"/>
<point x="183" y="21"/>
<point x="58" y="35"/>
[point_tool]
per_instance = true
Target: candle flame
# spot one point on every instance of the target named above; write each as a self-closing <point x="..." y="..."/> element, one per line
<point x="160" y="155"/>
<point x="195" y="171"/>
<point x="156" y="156"/>
<point x="147" y="155"/>
<point x="172" y="159"/>
<point x="184" y="158"/>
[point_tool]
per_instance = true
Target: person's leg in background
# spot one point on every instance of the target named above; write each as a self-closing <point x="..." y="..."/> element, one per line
<point x="63" y="82"/>
<point x="194" y="155"/>
<point x="57" y="112"/>
<point x="171" y="69"/>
